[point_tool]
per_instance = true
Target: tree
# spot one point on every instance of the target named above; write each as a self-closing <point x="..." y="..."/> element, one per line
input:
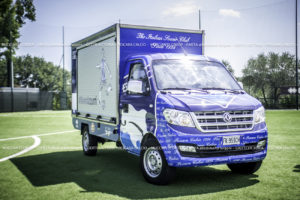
<point x="36" y="72"/>
<point x="228" y="66"/>
<point x="264" y="75"/>
<point x="13" y="15"/>
<point x="3" y="73"/>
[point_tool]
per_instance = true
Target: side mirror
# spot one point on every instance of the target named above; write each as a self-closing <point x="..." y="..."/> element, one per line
<point x="135" y="86"/>
<point x="241" y="84"/>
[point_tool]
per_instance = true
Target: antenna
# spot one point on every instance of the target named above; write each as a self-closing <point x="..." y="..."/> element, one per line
<point x="63" y="56"/>
<point x="199" y="19"/>
<point x="63" y="97"/>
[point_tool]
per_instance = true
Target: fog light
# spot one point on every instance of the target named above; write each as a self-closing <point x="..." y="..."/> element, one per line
<point x="187" y="148"/>
<point x="261" y="144"/>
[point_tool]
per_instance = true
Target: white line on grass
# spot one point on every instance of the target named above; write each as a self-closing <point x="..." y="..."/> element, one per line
<point x="45" y="134"/>
<point x="37" y="142"/>
<point x="36" y="116"/>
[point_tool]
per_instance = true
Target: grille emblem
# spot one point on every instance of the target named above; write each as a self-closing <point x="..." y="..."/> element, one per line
<point x="227" y="117"/>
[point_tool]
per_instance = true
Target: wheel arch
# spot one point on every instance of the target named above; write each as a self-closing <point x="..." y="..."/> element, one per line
<point x="148" y="136"/>
<point x="83" y="125"/>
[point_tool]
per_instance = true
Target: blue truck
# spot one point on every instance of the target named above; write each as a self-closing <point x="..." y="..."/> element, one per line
<point x="153" y="92"/>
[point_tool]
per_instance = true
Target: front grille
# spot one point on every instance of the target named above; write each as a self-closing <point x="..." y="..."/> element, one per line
<point x="212" y="151"/>
<point x="213" y="121"/>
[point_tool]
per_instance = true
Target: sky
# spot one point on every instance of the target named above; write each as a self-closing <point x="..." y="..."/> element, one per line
<point x="235" y="30"/>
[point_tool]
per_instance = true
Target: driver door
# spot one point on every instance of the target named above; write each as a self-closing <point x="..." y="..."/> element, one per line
<point x="135" y="106"/>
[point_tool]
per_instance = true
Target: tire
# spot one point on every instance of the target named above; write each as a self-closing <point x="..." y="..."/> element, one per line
<point x="89" y="142"/>
<point x="153" y="164"/>
<point x="245" y="168"/>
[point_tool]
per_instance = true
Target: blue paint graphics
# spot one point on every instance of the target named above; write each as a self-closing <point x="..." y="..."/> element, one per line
<point x="133" y="127"/>
<point x="168" y="136"/>
<point x="128" y="145"/>
<point x="135" y="41"/>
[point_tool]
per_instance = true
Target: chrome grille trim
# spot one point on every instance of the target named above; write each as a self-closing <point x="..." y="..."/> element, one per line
<point x="212" y="121"/>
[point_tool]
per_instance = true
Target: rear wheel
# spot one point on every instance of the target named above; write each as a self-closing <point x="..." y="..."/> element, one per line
<point x="154" y="165"/>
<point x="245" y="168"/>
<point x="89" y="142"/>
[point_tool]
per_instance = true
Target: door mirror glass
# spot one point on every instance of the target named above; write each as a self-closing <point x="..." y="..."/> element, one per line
<point x="241" y="84"/>
<point x="135" y="86"/>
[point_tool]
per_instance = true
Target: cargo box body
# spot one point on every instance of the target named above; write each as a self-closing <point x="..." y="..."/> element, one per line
<point x="98" y="62"/>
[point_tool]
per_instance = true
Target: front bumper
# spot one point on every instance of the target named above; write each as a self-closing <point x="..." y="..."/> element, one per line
<point x="210" y="148"/>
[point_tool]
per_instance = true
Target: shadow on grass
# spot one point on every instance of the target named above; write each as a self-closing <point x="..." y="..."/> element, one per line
<point x="297" y="168"/>
<point x="117" y="172"/>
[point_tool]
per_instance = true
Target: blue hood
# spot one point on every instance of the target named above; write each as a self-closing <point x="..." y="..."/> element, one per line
<point x="212" y="101"/>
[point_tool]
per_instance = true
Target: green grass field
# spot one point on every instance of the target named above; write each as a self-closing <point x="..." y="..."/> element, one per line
<point x="57" y="168"/>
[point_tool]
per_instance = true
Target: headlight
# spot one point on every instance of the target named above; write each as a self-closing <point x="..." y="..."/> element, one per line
<point x="259" y="115"/>
<point x="179" y="118"/>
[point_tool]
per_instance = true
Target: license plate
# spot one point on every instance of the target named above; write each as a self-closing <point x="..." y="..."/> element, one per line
<point x="230" y="140"/>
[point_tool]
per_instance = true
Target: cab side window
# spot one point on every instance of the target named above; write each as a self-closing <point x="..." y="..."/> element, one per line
<point x="138" y="73"/>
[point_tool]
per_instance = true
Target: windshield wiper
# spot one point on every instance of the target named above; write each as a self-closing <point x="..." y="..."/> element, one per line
<point x="204" y="89"/>
<point x="213" y="88"/>
<point x="177" y="88"/>
<point x="189" y="89"/>
<point x="223" y="89"/>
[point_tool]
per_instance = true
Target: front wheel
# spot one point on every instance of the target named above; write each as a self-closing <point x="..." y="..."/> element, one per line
<point x="89" y="143"/>
<point x="245" y="168"/>
<point x="154" y="166"/>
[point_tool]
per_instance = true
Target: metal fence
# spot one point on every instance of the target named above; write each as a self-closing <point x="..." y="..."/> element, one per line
<point x="25" y="99"/>
<point x="284" y="102"/>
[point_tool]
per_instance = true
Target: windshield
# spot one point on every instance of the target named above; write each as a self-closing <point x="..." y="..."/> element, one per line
<point x="188" y="74"/>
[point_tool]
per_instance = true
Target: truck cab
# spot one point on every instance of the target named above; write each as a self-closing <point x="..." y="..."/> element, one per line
<point x="174" y="109"/>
